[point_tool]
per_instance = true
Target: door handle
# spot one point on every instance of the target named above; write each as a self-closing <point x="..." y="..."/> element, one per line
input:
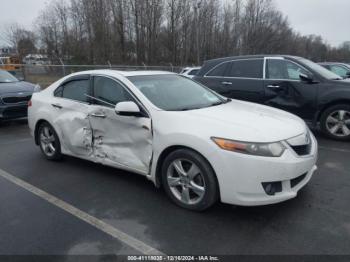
<point x="274" y="86"/>
<point x="226" y="83"/>
<point x="97" y="115"/>
<point x="58" y="106"/>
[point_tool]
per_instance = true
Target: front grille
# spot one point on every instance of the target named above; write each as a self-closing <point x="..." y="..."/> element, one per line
<point x="296" y="181"/>
<point x="303" y="150"/>
<point x="15" y="112"/>
<point x="16" y="99"/>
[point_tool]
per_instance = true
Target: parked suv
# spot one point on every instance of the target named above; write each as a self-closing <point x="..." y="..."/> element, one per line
<point x="293" y="84"/>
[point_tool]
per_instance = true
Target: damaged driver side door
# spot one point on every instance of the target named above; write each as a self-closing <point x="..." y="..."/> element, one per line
<point x="285" y="90"/>
<point x="120" y="141"/>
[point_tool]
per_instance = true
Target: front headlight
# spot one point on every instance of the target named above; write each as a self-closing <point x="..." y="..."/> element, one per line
<point x="37" y="88"/>
<point x="256" y="149"/>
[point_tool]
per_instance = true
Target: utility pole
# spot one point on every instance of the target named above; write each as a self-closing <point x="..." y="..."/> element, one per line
<point x="197" y="7"/>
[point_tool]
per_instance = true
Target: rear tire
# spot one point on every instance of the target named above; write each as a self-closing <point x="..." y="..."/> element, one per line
<point x="335" y="122"/>
<point x="49" y="142"/>
<point x="189" y="180"/>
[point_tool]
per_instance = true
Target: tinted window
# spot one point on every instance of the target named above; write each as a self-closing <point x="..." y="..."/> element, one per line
<point x="247" y="68"/>
<point x="76" y="90"/>
<point x="219" y="70"/>
<point x="339" y="70"/>
<point x="109" y="92"/>
<point x="284" y="69"/>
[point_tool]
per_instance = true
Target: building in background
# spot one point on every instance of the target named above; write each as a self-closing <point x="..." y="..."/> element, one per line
<point x="7" y="51"/>
<point x="36" y="59"/>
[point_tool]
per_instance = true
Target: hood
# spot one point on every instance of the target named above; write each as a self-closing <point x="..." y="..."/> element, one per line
<point x="25" y="87"/>
<point x="241" y="121"/>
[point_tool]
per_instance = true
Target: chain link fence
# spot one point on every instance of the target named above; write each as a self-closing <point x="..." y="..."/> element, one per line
<point x="45" y="75"/>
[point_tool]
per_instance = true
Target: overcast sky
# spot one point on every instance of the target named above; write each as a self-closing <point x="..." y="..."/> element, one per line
<point x="328" y="18"/>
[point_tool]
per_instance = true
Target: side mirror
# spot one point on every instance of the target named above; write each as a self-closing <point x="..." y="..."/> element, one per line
<point x="128" y="109"/>
<point x="347" y="75"/>
<point x="306" y="78"/>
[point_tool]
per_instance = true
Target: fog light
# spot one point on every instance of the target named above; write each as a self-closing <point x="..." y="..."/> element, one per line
<point x="271" y="188"/>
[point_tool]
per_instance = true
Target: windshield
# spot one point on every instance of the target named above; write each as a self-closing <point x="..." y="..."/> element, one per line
<point x="320" y="70"/>
<point x="6" y="77"/>
<point x="175" y="93"/>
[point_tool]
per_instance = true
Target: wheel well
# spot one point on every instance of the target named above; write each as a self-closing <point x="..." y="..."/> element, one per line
<point x="36" y="131"/>
<point x="167" y="152"/>
<point x="333" y="103"/>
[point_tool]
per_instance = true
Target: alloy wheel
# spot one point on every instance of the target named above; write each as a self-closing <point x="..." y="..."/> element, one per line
<point x="186" y="181"/>
<point x="338" y="123"/>
<point x="48" y="141"/>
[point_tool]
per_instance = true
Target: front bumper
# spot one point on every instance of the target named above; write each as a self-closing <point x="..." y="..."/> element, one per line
<point x="8" y="112"/>
<point x="241" y="177"/>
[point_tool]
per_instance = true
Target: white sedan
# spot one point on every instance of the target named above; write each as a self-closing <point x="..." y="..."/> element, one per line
<point x="200" y="147"/>
<point x="190" y="72"/>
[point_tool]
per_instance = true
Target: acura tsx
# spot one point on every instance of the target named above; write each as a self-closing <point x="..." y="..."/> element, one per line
<point x="199" y="146"/>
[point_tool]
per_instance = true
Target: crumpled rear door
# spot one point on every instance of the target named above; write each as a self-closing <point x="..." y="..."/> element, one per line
<point x="121" y="141"/>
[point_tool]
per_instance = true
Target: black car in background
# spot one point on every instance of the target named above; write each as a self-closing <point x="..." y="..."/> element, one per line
<point x="14" y="96"/>
<point x="341" y="69"/>
<point x="293" y="84"/>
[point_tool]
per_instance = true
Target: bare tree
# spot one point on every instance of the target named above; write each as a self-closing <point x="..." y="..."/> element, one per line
<point x="169" y="31"/>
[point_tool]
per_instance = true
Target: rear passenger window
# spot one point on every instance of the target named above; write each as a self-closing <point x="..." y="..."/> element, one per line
<point x="247" y="68"/>
<point x="219" y="70"/>
<point x="75" y="90"/>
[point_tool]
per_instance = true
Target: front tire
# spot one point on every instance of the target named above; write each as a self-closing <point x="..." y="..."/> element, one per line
<point x="189" y="180"/>
<point x="335" y="122"/>
<point x="49" y="142"/>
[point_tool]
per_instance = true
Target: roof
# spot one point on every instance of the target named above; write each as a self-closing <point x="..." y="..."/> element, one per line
<point x="143" y="73"/>
<point x="112" y="72"/>
<point x="192" y="68"/>
<point x="333" y="63"/>
<point x="250" y="56"/>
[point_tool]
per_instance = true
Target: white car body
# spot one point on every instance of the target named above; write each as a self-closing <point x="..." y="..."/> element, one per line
<point x="190" y="72"/>
<point x="136" y="144"/>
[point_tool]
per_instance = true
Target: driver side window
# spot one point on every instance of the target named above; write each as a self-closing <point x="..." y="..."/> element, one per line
<point x="108" y="92"/>
<point x="283" y="69"/>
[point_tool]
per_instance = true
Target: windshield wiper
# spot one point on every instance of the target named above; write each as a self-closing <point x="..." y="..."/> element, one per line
<point x="190" y="108"/>
<point x="221" y="102"/>
<point x="213" y="104"/>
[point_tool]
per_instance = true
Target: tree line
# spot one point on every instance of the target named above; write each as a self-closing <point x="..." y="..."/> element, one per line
<point x="160" y="32"/>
